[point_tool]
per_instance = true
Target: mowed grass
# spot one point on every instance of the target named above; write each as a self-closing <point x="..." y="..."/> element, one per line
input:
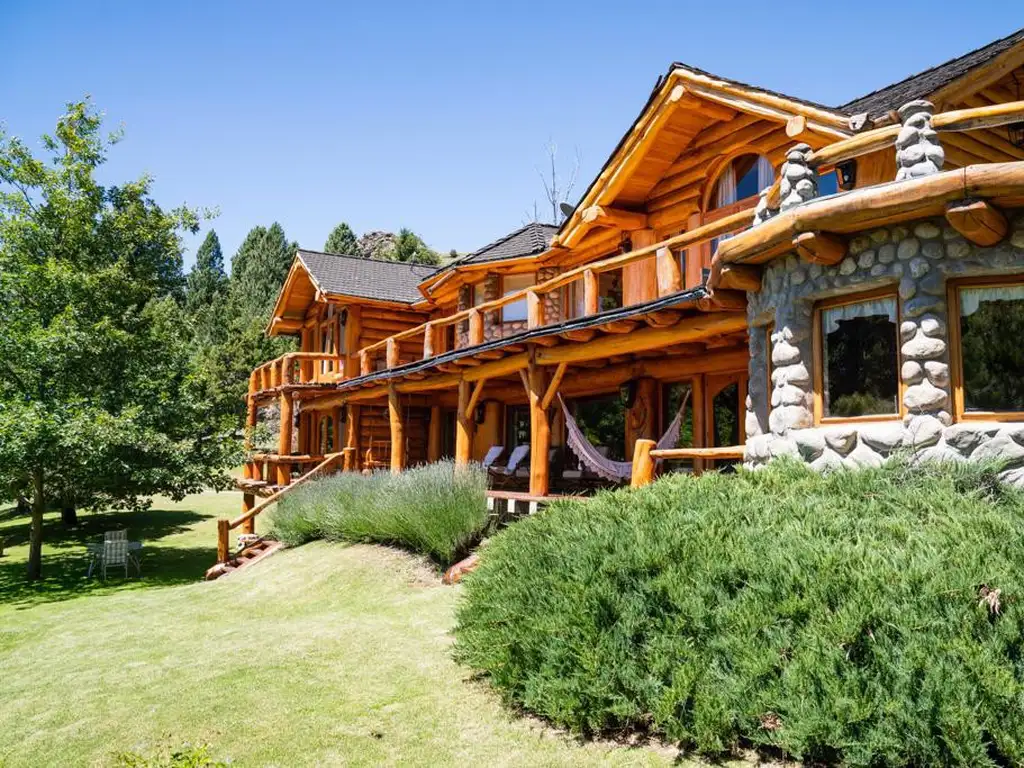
<point x="322" y="655"/>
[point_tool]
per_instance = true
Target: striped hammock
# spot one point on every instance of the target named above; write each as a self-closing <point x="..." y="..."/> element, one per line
<point x="602" y="466"/>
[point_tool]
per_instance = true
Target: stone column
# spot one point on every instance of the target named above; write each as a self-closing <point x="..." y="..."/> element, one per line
<point x="799" y="181"/>
<point x="492" y="320"/>
<point x="462" y="329"/>
<point x="918" y="152"/>
<point x="552" y="299"/>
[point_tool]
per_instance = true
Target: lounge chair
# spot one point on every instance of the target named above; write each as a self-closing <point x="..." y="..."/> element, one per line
<point x="492" y="455"/>
<point x="503" y="475"/>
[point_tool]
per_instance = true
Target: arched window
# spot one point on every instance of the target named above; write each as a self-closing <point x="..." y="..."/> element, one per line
<point x="744" y="177"/>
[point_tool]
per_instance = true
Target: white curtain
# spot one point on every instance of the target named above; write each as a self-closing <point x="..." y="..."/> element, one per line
<point x="971" y="298"/>
<point x="878" y="307"/>
<point x="765" y="173"/>
<point x="726" y="188"/>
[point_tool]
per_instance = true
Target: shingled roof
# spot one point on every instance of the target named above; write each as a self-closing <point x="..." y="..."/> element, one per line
<point x="526" y="241"/>
<point x="924" y="83"/>
<point x="366" y="278"/>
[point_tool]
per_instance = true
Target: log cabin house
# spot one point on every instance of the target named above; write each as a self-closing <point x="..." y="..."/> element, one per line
<point x="822" y="282"/>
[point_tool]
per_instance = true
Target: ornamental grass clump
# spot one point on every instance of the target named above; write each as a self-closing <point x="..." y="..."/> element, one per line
<point x="434" y="509"/>
<point x="868" y="618"/>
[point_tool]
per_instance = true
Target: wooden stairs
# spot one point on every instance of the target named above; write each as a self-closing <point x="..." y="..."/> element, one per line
<point x="254" y="553"/>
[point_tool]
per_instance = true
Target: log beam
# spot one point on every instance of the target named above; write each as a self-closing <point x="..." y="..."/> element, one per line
<point x="741" y="278"/>
<point x="606" y="216"/>
<point x="978" y="221"/>
<point x="552" y="389"/>
<point x="819" y="248"/>
<point x="474" y="398"/>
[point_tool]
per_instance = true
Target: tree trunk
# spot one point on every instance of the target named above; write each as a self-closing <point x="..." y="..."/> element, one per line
<point x="35" y="544"/>
<point x="69" y="513"/>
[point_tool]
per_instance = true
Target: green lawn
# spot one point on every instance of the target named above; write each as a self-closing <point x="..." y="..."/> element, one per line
<point x="321" y="655"/>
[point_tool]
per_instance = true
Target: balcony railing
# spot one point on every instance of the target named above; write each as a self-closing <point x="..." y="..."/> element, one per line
<point x="296" y="369"/>
<point x="669" y="276"/>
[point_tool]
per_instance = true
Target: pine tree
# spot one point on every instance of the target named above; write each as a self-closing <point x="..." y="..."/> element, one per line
<point x="206" y="291"/>
<point x="258" y="272"/>
<point x="410" y="247"/>
<point x="342" y="240"/>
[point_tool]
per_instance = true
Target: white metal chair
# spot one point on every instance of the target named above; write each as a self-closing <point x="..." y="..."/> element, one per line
<point x="492" y="455"/>
<point x="515" y="460"/>
<point x="115" y="553"/>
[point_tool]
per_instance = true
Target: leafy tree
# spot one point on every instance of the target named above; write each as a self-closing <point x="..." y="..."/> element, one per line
<point x="97" y="395"/>
<point x="342" y="240"/>
<point x="410" y="247"/>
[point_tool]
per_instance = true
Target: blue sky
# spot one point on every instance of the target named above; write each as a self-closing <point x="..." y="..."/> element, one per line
<point x="429" y="115"/>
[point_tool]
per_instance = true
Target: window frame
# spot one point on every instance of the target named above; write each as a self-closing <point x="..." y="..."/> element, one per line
<point x="956" y="359"/>
<point x="503" y="291"/>
<point x="818" y="357"/>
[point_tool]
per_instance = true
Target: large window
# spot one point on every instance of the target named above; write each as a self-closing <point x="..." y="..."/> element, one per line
<point x="742" y="178"/>
<point x="516" y="311"/>
<point x="857" y="358"/>
<point x="988" y="356"/>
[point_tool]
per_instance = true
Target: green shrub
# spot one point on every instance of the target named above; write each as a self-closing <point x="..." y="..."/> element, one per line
<point x="434" y="509"/>
<point x="871" y="617"/>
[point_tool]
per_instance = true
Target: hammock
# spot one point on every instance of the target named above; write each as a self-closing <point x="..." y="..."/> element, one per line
<point x="602" y="466"/>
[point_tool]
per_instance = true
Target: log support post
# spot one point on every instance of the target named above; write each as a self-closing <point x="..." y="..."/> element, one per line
<point x="392" y="353"/>
<point x="428" y="341"/>
<point x="699" y="423"/>
<point x="463" y="426"/>
<point x="540" y="431"/>
<point x="435" y="434"/>
<point x="643" y="463"/>
<point x="397" y="431"/>
<point x="476" y="328"/>
<point x="284" y="439"/>
<point x="248" y="502"/>
<point x="223" y="540"/>
<point x="534" y="310"/>
<point x="351" y="459"/>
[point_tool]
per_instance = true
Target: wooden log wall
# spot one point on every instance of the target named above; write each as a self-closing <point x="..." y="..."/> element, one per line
<point x="375" y="430"/>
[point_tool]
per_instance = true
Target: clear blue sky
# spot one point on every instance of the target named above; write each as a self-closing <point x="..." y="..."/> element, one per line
<point x="430" y="115"/>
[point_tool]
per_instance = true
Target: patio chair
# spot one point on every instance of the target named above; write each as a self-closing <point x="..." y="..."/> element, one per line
<point x="506" y="474"/>
<point x="492" y="455"/>
<point x="121" y="535"/>
<point x="115" y="554"/>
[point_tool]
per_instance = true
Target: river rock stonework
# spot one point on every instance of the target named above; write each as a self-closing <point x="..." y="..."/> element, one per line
<point x="916" y="259"/>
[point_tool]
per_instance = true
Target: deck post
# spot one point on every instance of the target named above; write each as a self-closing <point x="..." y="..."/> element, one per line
<point x="591" y="293"/>
<point x="540" y="431"/>
<point x="284" y="439"/>
<point x="397" y="431"/>
<point x="223" y="540"/>
<point x="351" y="459"/>
<point x="463" y="426"/>
<point x="643" y="463"/>
<point x="699" y="422"/>
<point x="248" y="502"/>
<point x="434" y="434"/>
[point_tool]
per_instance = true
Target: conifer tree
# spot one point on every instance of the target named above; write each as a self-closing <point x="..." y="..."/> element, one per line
<point x="342" y="240"/>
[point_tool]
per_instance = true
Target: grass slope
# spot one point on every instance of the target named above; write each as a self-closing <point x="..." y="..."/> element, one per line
<point x="322" y="655"/>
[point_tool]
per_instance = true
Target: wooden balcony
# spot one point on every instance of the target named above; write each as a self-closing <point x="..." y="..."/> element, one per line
<point x="296" y="371"/>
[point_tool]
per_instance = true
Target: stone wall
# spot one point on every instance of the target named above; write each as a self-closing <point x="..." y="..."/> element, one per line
<point x="917" y="259"/>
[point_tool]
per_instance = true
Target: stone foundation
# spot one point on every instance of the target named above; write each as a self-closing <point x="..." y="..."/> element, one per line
<point x="917" y="259"/>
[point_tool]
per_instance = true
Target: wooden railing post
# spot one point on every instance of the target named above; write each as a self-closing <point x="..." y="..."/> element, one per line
<point x="223" y="540"/>
<point x="365" y="365"/>
<point x="643" y="463"/>
<point x="670" y="279"/>
<point x="284" y="439"/>
<point x="391" y="351"/>
<point x="534" y="310"/>
<point x="428" y="341"/>
<point x="591" y="293"/>
<point x="248" y="502"/>
<point x="476" y="328"/>
<point x="540" y="431"/>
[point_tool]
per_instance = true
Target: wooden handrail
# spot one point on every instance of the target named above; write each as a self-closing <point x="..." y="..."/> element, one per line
<point x="718" y="452"/>
<point x="329" y="459"/>
<point x="693" y="237"/>
<point x="954" y="121"/>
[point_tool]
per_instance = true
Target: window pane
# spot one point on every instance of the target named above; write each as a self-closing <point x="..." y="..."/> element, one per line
<point x="859" y="345"/>
<point x="991" y="328"/>
<point x="516" y="311"/>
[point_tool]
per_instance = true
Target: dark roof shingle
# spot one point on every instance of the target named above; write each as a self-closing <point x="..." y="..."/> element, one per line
<point x="366" y="278"/>
<point x="924" y="83"/>
<point x="526" y="241"/>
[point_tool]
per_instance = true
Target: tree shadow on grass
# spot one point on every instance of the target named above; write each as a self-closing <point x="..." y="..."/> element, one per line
<point x="66" y="560"/>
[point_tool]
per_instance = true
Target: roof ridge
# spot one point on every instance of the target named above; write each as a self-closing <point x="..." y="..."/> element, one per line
<point x="367" y="258"/>
<point x="924" y="72"/>
<point x="509" y="236"/>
